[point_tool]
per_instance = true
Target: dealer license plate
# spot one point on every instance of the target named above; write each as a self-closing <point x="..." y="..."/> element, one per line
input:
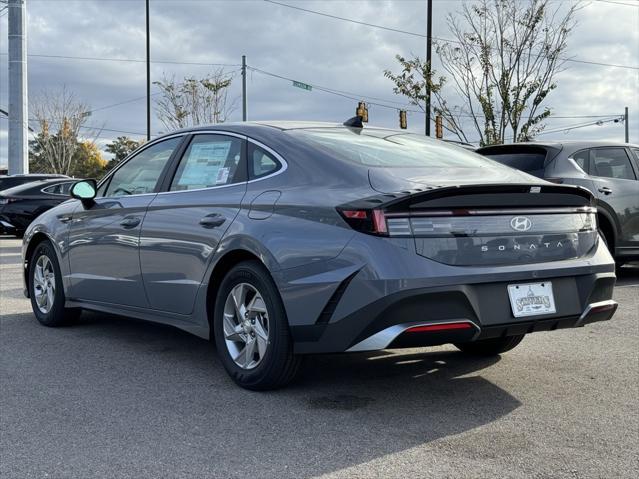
<point x="531" y="299"/>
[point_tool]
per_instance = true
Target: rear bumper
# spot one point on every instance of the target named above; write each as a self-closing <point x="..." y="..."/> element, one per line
<point x="428" y="334"/>
<point x="484" y="308"/>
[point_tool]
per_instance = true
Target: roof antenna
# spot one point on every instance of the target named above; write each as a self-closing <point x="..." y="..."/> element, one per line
<point x="355" y="122"/>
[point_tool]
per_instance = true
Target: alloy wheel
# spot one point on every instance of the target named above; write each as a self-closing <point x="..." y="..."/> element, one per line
<point x="246" y="326"/>
<point x="44" y="284"/>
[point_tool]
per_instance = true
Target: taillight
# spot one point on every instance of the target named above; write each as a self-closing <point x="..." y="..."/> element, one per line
<point x="366" y="221"/>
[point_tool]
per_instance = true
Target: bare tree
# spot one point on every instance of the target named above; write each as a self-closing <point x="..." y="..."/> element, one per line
<point x="195" y="101"/>
<point x="60" y="118"/>
<point x="503" y="62"/>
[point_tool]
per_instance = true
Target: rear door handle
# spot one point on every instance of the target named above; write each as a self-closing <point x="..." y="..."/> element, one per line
<point x="605" y="190"/>
<point x="130" y="222"/>
<point x="212" y="221"/>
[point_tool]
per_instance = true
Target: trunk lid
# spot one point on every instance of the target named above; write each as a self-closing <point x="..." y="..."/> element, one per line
<point x="489" y="224"/>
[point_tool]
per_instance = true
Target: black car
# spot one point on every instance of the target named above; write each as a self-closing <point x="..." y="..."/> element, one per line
<point x="20" y="205"/>
<point x="9" y="181"/>
<point x="609" y="170"/>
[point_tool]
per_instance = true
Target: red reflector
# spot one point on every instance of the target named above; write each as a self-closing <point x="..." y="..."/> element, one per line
<point x="438" y="327"/>
<point x="355" y="214"/>
<point x="599" y="309"/>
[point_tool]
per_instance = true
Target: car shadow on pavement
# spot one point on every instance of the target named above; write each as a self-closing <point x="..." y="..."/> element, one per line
<point x="112" y="393"/>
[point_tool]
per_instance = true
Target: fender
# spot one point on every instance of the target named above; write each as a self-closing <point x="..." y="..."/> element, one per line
<point x="59" y="242"/>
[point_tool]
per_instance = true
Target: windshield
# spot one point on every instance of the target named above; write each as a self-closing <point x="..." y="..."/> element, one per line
<point x="390" y="149"/>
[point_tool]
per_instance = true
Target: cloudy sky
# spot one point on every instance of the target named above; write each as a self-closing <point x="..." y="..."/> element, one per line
<point x="188" y="36"/>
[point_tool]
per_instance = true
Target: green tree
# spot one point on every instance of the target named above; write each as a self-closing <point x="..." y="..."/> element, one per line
<point x="120" y="148"/>
<point x="195" y="101"/>
<point x="88" y="161"/>
<point x="60" y="117"/>
<point x="502" y="61"/>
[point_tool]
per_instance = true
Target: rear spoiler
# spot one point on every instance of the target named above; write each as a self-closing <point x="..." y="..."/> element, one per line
<point x="477" y="196"/>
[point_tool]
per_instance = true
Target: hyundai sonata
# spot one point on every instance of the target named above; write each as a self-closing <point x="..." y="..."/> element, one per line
<point x="283" y="239"/>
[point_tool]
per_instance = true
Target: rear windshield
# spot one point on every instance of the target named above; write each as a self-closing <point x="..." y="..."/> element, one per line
<point x="380" y="148"/>
<point x="6" y="183"/>
<point x="529" y="160"/>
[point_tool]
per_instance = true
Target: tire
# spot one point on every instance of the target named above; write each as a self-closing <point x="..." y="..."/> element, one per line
<point x="490" y="347"/>
<point x="44" y="260"/>
<point x="261" y="321"/>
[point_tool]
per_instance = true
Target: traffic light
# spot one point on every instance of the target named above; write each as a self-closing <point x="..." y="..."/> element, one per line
<point x="362" y="111"/>
<point x="403" y="124"/>
<point x="439" y="130"/>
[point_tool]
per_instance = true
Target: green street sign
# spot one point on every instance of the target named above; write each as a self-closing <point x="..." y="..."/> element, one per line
<point x="301" y="85"/>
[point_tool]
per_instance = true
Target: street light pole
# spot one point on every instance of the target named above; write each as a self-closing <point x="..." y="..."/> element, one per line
<point x="626" y="126"/>
<point x="18" y="104"/>
<point x="429" y="42"/>
<point x="148" y="76"/>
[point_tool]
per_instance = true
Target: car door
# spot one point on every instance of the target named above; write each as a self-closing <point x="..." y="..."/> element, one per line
<point x="104" y="235"/>
<point x="616" y="186"/>
<point x="185" y="223"/>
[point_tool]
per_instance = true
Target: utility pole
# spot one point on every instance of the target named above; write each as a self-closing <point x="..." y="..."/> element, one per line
<point x="626" y="126"/>
<point x="243" y="87"/>
<point x="18" y="99"/>
<point x="148" y="76"/>
<point x="429" y="45"/>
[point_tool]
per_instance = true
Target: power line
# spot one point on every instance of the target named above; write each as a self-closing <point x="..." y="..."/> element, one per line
<point x="348" y="95"/>
<point x="402" y="106"/>
<point x="618" y="3"/>
<point x="130" y="60"/>
<point x="421" y="35"/>
<point x="618" y="119"/>
<point x="336" y="17"/>
<point x="132" y="100"/>
<point x="91" y="127"/>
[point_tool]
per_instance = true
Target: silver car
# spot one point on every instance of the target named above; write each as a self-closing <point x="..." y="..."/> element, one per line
<point x="285" y="239"/>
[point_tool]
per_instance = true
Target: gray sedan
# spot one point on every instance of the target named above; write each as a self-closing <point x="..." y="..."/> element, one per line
<point x="284" y="239"/>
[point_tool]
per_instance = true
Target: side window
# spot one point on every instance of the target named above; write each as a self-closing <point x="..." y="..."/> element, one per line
<point x="65" y="188"/>
<point x="636" y="153"/>
<point x="261" y="163"/>
<point x="141" y="173"/>
<point x="210" y="160"/>
<point x="59" y="189"/>
<point x="52" y="190"/>
<point x="581" y="158"/>
<point x="612" y="163"/>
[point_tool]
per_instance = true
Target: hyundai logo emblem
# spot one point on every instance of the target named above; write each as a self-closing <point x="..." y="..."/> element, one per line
<point x="520" y="223"/>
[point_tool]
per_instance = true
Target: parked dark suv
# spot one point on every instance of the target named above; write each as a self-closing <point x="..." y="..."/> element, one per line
<point x="609" y="170"/>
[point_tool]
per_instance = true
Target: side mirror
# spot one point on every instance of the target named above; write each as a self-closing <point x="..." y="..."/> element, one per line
<point x="84" y="190"/>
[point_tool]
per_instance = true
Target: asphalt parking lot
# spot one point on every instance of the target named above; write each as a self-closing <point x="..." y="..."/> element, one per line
<point x="112" y="397"/>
